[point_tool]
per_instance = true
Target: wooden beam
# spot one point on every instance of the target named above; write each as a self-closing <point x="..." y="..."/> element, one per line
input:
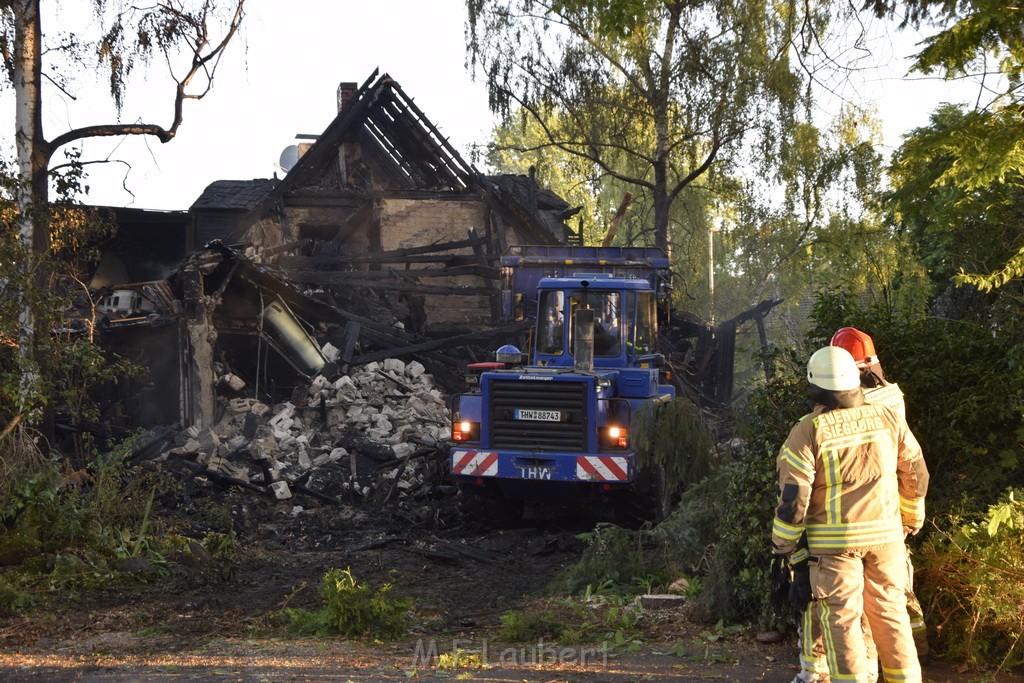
<point x="345" y="275"/>
<point x="446" y="343"/>
<point x="617" y="219"/>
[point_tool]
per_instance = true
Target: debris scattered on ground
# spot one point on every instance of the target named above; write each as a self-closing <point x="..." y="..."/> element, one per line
<point x="379" y="432"/>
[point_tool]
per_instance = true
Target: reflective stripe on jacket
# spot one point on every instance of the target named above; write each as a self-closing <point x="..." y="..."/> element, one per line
<point x="852" y="478"/>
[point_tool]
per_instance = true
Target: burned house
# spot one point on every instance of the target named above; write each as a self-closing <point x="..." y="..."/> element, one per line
<point x="380" y="241"/>
<point x="380" y="200"/>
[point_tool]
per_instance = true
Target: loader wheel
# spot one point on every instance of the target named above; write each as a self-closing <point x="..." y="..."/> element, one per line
<point x="648" y="500"/>
<point x="485" y="507"/>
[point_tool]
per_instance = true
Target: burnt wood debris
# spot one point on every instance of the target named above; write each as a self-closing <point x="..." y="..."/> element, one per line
<point x="301" y="336"/>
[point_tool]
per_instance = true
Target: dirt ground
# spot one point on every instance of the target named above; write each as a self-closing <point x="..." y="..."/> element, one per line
<point x="461" y="581"/>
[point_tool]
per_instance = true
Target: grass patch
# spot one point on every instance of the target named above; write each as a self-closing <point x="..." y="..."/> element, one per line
<point x="610" y="620"/>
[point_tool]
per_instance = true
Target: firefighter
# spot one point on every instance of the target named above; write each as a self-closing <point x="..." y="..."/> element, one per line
<point x="877" y="390"/>
<point x="813" y="666"/>
<point x="851" y="475"/>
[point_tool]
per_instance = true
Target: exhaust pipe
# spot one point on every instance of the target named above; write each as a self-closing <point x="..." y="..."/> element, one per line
<point x="583" y="340"/>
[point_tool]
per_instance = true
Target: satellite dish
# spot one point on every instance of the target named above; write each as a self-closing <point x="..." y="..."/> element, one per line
<point x="289" y="157"/>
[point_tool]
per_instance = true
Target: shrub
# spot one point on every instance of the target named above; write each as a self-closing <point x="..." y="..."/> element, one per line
<point x="352" y="609"/>
<point x="971" y="583"/>
<point x="736" y="582"/>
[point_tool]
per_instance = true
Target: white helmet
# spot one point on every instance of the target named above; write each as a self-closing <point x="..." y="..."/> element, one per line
<point x="834" y="369"/>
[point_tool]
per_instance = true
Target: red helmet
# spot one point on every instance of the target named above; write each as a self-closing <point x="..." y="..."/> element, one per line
<point x="860" y="345"/>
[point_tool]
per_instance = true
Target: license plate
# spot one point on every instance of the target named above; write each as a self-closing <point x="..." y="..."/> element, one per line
<point x="539" y="415"/>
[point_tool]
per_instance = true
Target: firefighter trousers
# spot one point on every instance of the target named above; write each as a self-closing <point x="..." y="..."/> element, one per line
<point x="866" y="584"/>
<point x="813" y="663"/>
<point x="812" y="647"/>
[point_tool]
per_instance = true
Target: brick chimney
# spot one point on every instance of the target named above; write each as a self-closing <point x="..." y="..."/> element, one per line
<point x="346" y="92"/>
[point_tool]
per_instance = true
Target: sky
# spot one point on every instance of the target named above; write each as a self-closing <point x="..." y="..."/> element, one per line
<point x="279" y="79"/>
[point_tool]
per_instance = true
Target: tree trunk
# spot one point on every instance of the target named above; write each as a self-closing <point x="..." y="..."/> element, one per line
<point x="33" y="160"/>
<point x="661" y="206"/>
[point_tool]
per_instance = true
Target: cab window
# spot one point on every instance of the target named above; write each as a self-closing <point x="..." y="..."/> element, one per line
<point x="607" y="318"/>
<point x="645" y="330"/>
<point x="551" y="323"/>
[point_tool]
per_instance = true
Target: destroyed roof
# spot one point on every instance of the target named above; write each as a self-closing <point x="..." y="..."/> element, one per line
<point x="533" y="205"/>
<point x="243" y="195"/>
<point x="388" y="124"/>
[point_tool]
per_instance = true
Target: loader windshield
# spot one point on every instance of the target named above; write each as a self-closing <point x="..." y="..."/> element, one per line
<point x="554" y="332"/>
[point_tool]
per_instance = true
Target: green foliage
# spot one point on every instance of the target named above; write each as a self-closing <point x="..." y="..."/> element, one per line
<point x="655" y="96"/>
<point x="64" y="530"/>
<point x="736" y="579"/>
<point x="460" y="659"/>
<point x="967" y="409"/>
<point x="971" y="583"/>
<point x="970" y="163"/>
<point x="675" y="436"/>
<point x="531" y="625"/>
<point x="594" y="617"/>
<point x="352" y="610"/>
<point x="960" y="217"/>
<point x="631" y="561"/>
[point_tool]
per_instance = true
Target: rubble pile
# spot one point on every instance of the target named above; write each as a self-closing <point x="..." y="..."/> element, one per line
<point x="379" y="431"/>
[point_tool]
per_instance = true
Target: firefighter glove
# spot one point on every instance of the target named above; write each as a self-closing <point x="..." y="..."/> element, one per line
<point x="800" y="587"/>
<point x="780" y="583"/>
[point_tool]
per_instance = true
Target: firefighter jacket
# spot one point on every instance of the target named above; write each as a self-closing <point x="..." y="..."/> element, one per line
<point x="851" y="478"/>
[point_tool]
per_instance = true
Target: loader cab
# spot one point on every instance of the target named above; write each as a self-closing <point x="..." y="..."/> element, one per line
<point x="625" y="320"/>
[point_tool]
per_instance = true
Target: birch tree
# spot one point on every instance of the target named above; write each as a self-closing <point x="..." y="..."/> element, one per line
<point x="652" y="92"/>
<point x="190" y="36"/>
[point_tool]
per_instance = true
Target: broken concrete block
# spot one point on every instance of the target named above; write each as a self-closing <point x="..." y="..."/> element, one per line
<point x="280" y="490"/>
<point x="286" y="413"/>
<point x="394" y="365"/>
<point x="240" y="405"/>
<point x="414" y="369"/>
<point x="259" y="408"/>
<point x="661" y="601"/>
<point x="337" y="454"/>
<point x="330" y="351"/>
<point x="233" y="382"/>
<point x="296" y="510"/>
<point x="382" y="422"/>
<point x="283" y="426"/>
<point x="318" y="384"/>
<point x="227" y="468"/>
<point x="401" y="434"/>
<point x="402" y="449"/>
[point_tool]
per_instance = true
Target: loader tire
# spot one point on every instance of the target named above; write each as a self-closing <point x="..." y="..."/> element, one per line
<point x="649" y="500"/>
<point x="485" y="507"/>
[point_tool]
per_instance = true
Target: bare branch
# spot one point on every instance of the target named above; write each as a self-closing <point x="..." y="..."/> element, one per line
<point x="206" y="63"/>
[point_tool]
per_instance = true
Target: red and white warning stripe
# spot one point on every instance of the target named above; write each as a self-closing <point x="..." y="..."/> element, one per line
<point x="475" y="463"/>
<point x="602" y="468"/>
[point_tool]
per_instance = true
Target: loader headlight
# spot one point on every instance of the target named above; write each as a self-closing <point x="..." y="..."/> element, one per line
<point x="465" y="431"/>
<point x="615" y="437"/>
